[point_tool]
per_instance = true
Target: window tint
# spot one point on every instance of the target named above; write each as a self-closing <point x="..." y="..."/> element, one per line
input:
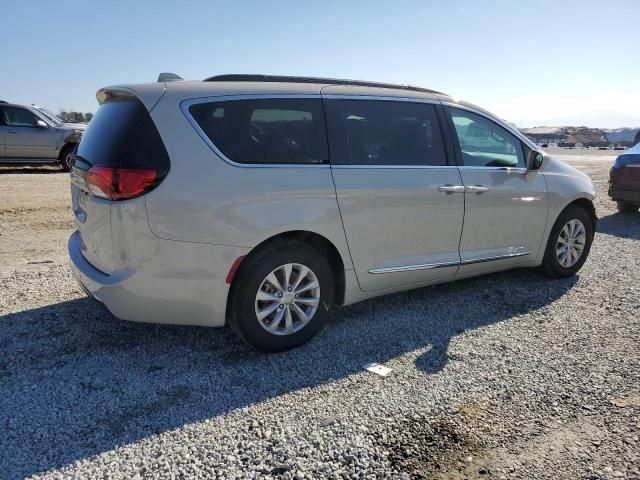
<point x="122" y="134"/>
<point x="18" y="117"/>
<point x="266" y="130"/>
<point x="484" y="143"/>
<point x="382" y="132"/>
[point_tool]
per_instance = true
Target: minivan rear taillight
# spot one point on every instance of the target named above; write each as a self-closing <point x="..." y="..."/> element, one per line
<point x="115" y="183"/>
<point x="121" y="154"/>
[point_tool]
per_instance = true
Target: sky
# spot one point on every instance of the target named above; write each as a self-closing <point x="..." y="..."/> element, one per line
<point x="539" y="62"/>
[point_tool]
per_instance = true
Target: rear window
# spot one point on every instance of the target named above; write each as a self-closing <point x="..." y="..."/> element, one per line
<point x="122" y="134"/>
<point x="265" y="130"/>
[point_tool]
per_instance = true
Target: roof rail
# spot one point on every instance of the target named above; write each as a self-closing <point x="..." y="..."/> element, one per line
<point x="241" y="77"/>
<point x="169" y="77"/>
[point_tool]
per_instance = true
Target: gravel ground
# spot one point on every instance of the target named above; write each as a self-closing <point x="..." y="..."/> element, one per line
<point x="506" y="376"/>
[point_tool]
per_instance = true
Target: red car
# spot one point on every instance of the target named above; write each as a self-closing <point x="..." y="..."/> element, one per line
<point x="624" y="181"/>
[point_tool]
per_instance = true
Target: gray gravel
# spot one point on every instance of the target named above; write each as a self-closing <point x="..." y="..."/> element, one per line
<point x="505" y="376"/>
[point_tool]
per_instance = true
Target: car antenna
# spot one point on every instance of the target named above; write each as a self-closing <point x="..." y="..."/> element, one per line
<point x="169" y="77"/>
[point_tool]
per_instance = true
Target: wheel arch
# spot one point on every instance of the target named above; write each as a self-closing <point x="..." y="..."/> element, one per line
<point x="64" y="148"/>
<point x="586" y="204"/>
<point x="319" y="242"/>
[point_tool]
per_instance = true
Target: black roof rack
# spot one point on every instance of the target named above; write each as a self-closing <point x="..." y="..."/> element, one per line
<point x="242" y="77"/>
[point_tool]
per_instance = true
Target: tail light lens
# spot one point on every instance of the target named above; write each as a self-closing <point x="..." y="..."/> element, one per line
<point x="115" y="183"/>
<point x="121" y="154"/>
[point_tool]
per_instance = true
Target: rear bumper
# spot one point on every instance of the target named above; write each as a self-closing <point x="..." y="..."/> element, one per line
<point x="109" y="290"/>
<point x="159" y="292"/>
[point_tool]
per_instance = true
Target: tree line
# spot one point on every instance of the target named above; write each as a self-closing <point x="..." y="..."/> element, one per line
<point x="76" y="117"/>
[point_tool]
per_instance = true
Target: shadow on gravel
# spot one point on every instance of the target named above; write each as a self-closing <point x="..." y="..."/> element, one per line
<point x="624" y="225"/>
<point x="75" y="382"/>
<point x="21" y="169"/>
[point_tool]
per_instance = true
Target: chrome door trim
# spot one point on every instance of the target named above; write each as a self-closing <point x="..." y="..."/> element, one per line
<point x="344" y="166"/>
<point x="497" y="169"/>
<point x="411" y="268"/>
<point x="184" y="107"/>
<point x="476" y="189"/>
<point x="492" y="258"/>
<point x="452" y="188"/>
<point x="428" y="266"/>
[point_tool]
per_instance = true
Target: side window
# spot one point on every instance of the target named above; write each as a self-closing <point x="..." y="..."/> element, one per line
<point x="18" y="117"/>
<point x="266" y="130"/>
<point x="484" y="143"/>
<point x="382" y="132"/>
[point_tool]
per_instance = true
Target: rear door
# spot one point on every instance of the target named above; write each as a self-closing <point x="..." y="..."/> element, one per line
<point x="506" y="206"/>
<point x="401" y="200"/>
<point x="23" y="138"/>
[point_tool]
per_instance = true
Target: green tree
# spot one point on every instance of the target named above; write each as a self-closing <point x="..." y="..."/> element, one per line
<point x="76" y="117"/>
<point x="88" y="116"/>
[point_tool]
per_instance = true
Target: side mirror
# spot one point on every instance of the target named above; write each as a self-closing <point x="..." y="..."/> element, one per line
<point x="41" y="124"/>
<point x="534" y="160"/>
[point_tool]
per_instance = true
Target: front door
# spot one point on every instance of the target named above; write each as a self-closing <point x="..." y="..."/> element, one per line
<point x="23" y="138"/>
<point x="400" y="198"/>
<point x="505" y="205"/>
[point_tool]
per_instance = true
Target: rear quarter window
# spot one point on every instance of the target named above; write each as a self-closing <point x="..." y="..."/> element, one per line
<point x="265" y="131"/>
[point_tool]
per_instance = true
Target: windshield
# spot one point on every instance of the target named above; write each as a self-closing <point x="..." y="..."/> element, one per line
<point x="51" y="116"/>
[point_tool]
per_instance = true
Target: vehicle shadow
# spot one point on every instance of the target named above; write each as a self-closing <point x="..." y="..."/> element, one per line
<point x="624" y="225"/>
<point x="77" y="382"/>
<point x="22" y="169"/>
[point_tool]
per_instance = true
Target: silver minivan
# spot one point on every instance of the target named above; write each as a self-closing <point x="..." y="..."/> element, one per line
<point x="263" y="201"/>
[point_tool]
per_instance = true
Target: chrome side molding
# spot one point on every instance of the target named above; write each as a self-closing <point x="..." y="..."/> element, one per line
<point x="429" y="266"/>
<point x="495" y="257"/>
<point x="409" y="268"/>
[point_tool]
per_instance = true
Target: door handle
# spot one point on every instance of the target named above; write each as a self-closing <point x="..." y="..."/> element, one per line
<point x="476" y="189"/>
<point x="451" y="188"/>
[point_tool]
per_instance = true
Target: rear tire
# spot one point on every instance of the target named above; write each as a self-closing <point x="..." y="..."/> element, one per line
<point x="65" y="157"/>
<point x="286" y="326"/>
<point x="565" y="240"/>
<point x="627" y="207"/>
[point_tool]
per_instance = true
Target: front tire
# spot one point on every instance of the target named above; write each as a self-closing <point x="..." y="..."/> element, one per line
<point x="627" y="207"/>
<point x="569" y="243"/>
<point x="282" y="296"/>
<point x="65" y="157"/>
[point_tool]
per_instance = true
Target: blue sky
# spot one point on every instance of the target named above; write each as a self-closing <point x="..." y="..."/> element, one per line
<point x="533" y="63"/>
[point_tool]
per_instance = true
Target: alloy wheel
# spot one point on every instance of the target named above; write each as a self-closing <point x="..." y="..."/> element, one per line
<point x="571" y="243"/>
<point x="287" y="299"/>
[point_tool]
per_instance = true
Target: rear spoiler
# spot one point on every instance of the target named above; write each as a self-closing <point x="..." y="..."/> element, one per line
<point x="148" y="93"/>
